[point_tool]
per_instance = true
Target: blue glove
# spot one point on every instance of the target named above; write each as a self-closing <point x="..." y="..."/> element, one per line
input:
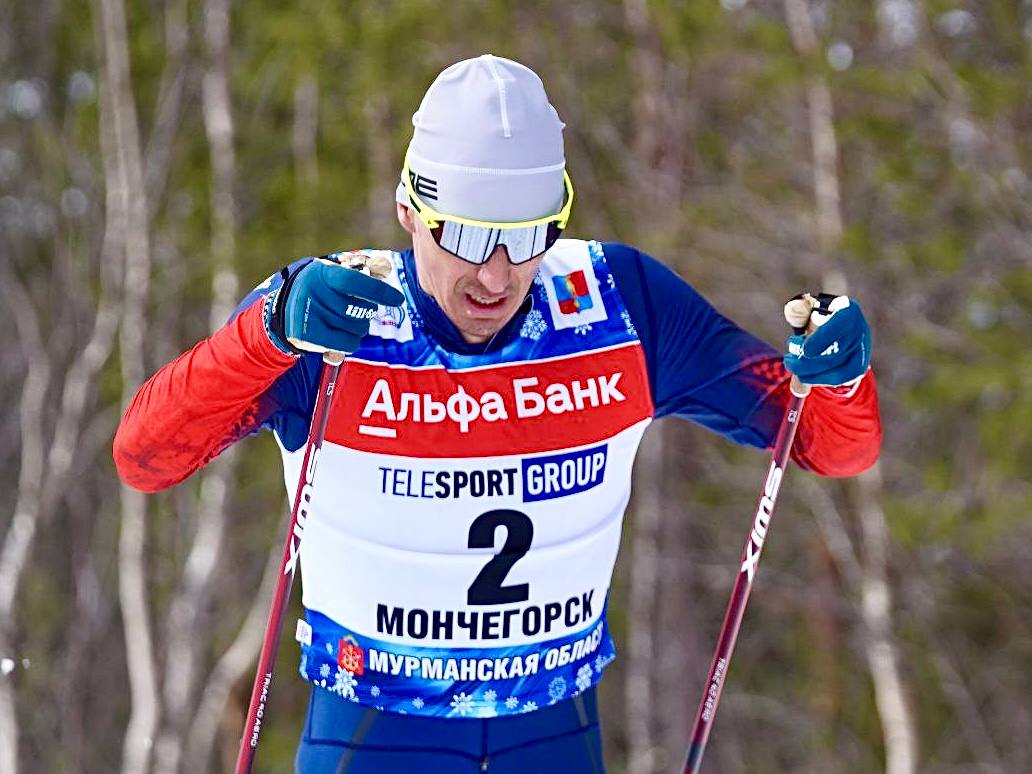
<point x="324" y="306"/>
<point x="838" y="351"/>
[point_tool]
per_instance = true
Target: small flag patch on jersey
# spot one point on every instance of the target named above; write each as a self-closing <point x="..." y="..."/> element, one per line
<point x="571" y="286"/>
<point x="350" y="655"/>
<point x="572" y="293"/>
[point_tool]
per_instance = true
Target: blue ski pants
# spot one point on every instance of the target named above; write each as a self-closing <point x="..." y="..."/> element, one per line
<point x="340" y="737"/>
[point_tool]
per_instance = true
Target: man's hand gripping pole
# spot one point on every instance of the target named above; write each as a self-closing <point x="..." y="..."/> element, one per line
<point x="379" y="267"/>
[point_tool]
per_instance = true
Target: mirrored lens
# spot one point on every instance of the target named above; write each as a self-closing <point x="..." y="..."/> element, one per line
<point x="476" y="243"/>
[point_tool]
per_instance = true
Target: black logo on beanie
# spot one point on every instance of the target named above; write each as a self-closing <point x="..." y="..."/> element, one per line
<point x="424" y="187"/>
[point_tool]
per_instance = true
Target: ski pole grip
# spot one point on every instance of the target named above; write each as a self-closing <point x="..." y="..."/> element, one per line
<point x="798" y="313"/>
<point x="376" y="266"/>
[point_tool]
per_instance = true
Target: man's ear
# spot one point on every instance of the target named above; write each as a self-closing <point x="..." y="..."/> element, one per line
<point x="405" y="218"/>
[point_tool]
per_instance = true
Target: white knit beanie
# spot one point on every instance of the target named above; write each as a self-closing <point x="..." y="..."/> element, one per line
<point x="487" y="144"/>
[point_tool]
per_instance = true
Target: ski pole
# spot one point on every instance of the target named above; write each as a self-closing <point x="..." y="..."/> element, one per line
<point x="378" y="267"/>
<point x="285" y="582"/>
<point x="797" y="312"/>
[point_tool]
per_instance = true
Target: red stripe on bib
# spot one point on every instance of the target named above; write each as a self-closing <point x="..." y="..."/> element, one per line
<point x="517" y="408"/>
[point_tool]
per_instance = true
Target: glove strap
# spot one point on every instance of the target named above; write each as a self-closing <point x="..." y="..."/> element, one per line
<point x="276" y="314"/>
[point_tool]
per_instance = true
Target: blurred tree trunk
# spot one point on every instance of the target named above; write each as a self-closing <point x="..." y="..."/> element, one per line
<point x="126" y="230"/>
<point x="679" y="612"/>
<point x="881" y="647"/>
<point x="185" y="645"/>
<point x="218" y="123"/>
<point x="656" y="161"/>
<point x="383" y="170"/>
<point x="305" y="131"/>
<point x="304" y="146"/>
<point x="639" y="689"/>
<point x="19" y="536"/>
<point x="866" y="490"/>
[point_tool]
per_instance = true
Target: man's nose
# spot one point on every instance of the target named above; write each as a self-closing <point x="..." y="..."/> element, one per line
<point x="496" y="272"/>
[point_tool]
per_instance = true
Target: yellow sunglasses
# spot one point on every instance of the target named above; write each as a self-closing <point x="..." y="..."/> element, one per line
<point x="475" y="240"/>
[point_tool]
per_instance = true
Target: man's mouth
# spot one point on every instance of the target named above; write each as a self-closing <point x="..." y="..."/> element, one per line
<point x="485" y="302"/>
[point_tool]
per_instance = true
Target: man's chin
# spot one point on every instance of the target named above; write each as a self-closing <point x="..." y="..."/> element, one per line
<point x="476" y="331"/>
<point x="481" y="324"/>
<point x="479" y="334"/>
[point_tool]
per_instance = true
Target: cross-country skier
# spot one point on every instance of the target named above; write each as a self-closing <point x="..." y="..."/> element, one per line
<point x="465" y="514"/>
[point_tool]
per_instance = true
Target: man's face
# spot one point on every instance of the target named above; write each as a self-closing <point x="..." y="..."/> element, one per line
<point x="479" y="300"/>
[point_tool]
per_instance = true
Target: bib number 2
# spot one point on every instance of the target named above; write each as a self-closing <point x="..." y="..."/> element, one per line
<point x="487" y="588"/>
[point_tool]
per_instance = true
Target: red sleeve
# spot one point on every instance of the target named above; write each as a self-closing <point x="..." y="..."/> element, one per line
<point x="840" y="431"/>
<point x="200" y="403"/>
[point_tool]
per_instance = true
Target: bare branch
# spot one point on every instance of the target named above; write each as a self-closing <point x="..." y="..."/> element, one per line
<point x="169" y="105"/>
<point x="19" y="536"/>
<point x="184" y="645"/>
<point x="833" y="531"/>
<point x="231" y="666"/>
<point x="79" y="381"/>
<point x="34" y="389"/>
<point x="972" y="725"/>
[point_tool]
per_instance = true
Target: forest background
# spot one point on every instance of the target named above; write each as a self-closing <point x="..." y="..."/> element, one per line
<point x="160" y="157"/>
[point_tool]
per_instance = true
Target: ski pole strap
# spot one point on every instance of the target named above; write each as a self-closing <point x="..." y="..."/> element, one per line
<point x="798" y="313"/>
